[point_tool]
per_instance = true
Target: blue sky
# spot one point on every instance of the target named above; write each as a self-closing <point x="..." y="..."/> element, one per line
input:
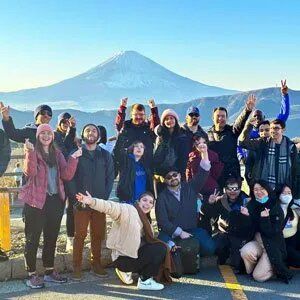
<point x="234" y="44"/>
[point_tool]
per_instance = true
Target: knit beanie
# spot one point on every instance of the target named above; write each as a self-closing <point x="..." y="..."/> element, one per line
<point x="169" y="112"/>
<point x="91" y="124"/>
<point x="44" y="127"/>
<point x="63" y="116"/>
<point x="41" y="108"/>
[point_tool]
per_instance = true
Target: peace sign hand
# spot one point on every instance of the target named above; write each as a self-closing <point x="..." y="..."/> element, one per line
<point x="213" y="198"/>
<point x="251" y="102"/>
<point x="284" y="88"/>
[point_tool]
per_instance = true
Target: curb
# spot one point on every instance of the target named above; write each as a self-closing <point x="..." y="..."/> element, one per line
<point x="15" y="268"/>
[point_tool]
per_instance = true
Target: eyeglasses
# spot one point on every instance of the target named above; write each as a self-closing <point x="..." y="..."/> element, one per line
<point x="232" y="188"/>
<point x="194" y="115"/>
<point x="170" y="176"/>
<point x="46" y="112"/>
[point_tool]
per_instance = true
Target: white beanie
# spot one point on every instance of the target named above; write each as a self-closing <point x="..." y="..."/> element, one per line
<point x="169" y="112"/>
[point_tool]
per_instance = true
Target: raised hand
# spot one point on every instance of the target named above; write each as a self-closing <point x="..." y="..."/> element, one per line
<point x="28" y="146"/>
<point x="77" y="153"/>
<point x="284" y="88"/>
<point x="265" y="213"/>
<point x="213" y="198"/>
<point x="85" y="199"/>
<point x="4" y="111"/>
<point x="151" y="103"/>
<point x="203" y="151"/>
<point x="251" y="102"/>
<point x="244" y="211"/>
<point x="124" y="101"/>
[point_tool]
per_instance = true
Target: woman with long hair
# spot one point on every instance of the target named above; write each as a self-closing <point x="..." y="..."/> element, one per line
<point x="290" y="226"/>
<point x="131" y="239"/>
<point x="262" y="220"/>
<point x="45" y="169"/>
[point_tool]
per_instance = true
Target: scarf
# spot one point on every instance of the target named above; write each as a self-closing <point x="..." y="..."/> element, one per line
<point x="167" y="266"/>
<point x="277" y="171"/>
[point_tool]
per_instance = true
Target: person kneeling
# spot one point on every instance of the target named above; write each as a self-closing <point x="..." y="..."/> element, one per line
<point x="132" y="251"/>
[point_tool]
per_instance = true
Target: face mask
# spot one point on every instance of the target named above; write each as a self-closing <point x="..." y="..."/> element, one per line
<point x="263" y="200"/>
<point x="285" y="199"/>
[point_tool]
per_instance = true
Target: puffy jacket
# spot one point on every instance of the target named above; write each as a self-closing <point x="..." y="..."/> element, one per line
<point x="34" y="192"/>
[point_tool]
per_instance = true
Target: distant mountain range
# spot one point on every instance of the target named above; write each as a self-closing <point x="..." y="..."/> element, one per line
<point x="268" y="101"/>
<point x="127" y="74"/>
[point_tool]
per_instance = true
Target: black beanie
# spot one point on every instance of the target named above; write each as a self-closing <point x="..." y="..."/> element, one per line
<point x="41" y="108"/>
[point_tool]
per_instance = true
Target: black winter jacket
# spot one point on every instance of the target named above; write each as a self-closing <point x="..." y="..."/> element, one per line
<point x="225" y="143"/>
<point x="125" y="188"/>
<point x="95" y="174"/>
<point x="5" y="152"/>
<point x="270" y="229"/>
<point x="131" y="133"/>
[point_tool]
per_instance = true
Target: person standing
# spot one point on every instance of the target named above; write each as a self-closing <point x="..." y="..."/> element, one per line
<point x="95" y="173"/>
<point x="45" y="169"/>
<point x="223" y="138"/>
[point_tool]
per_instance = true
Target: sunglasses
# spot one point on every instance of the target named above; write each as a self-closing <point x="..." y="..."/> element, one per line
<point x="64" y="121"/>
<point x="232" y="188"/>
<point x="194" y="115"/>
<point x="46" y="112"/>
<point x="170" y="176"/>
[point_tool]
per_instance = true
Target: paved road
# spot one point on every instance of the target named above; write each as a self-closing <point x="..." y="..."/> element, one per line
<point x="208" y="284"/>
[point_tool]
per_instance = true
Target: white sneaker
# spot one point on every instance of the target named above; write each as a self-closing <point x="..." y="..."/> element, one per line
<point x="125" y="277"/>
<point x="69" y="245"/>
<point x="149" y="284"/>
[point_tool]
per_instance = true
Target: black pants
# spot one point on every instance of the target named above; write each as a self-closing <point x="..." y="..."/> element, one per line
<point x="70" y="218"/>
<point x="293" y="250"/>
<point x="150" y="257"/>
<point x="222" y="247"/>
<point x="47" y="220"/>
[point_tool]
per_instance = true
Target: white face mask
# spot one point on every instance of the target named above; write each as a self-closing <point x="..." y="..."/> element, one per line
<point x="285" y="199"/>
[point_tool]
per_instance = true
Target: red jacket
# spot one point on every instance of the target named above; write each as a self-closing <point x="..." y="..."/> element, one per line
<point x="215" y="171"/>
<point x="34" y="192"/>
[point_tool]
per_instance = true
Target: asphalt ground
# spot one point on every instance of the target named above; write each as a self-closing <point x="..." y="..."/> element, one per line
<point x="210" y="283"/>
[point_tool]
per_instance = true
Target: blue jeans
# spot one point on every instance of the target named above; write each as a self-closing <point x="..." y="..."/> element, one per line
<point x="206" y="243"/>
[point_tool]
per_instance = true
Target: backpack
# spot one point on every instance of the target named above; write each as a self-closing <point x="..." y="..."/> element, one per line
<point x="189" y="255"/>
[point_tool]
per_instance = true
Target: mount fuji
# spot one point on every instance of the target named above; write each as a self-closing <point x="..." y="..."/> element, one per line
<point x="127" y="74"/>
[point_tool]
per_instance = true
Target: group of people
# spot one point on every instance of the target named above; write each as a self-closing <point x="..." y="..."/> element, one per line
<point x="191" y="177"/>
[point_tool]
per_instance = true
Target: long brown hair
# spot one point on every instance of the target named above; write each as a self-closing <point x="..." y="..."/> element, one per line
<point x="49" y="158"/>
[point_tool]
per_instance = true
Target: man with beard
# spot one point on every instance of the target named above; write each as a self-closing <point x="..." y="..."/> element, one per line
<point x="276" y="156"/>
<point x="176" y="208"/>
<point x="191" y="127"/>
<point x="138" y="128"/>
<point x="94" y="174"/>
